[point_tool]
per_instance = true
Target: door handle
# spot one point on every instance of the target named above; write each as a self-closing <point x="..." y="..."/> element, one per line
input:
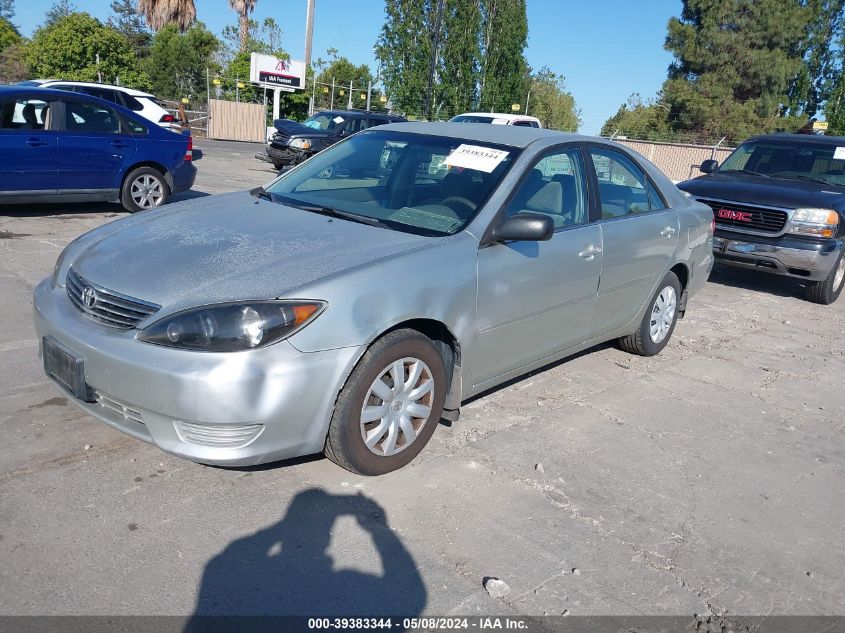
<point x="120" y="143"/>
<point x="36" y="142"/>
<point x="669" y="231"/>
<point x="590" y="251"/>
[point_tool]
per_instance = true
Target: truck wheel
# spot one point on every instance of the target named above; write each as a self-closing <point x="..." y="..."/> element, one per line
<point x="658" y="322"/>
<point x="390" y="406"/>
<point x="828" y="290"/>
<point x="278" y="165"/>
<point x="144" y="188"/>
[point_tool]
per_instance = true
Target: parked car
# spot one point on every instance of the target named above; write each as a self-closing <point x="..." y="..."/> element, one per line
<point x="357" y="299"/>
<point x="497" y="118"/>
<point x="59" y="145"/>
<point x="141" y="103"/>
<point x="294" y="142"/>
<point x="779" y="205"/>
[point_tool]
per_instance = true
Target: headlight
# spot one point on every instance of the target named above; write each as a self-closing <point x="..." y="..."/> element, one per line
<point x="232" y="327"/>
<point x="301" y="143"/>
<point x="817" y="222"/>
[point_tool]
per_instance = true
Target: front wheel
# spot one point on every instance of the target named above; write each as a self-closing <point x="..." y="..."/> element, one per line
<point x="828" y="290"/>
<point x="144" y="188"/>
<point x="390" y="406"/>
<point x="658" y="322"/>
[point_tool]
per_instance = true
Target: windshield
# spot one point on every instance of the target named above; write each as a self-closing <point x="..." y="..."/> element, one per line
<point x="791" y="160"/>
<point x="428" y="185"/>
<point x="323" y="121"/>
<point x="472" y="118"/>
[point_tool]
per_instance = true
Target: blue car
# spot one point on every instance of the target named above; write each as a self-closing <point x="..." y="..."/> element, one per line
<point x="59" y="145"/>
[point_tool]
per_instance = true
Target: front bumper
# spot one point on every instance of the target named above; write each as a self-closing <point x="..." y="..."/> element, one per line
<point x="805" y="259"/>
<point x="192" y="404"/>
<point x="286" y="156"/>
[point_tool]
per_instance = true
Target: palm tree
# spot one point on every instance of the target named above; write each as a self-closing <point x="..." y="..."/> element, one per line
<point x="160" y="13"/>
<point x="243" y="8"/>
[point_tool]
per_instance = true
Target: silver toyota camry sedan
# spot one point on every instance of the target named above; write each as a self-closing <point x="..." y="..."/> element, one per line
<point x="355" y="301"/>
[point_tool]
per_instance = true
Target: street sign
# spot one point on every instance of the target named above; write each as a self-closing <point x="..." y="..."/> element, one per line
<point x="515" y="107"/>
<point x="276" y="73"/>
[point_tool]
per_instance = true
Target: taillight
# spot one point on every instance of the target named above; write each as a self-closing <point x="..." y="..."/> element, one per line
<point x="167" y="118"/>
<point x="189" y="153"/>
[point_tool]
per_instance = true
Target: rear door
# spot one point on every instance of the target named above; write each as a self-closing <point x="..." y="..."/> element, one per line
<point x="93" y="148"/>
<point x="639" y="237"/>
<point x="28" y="162"/>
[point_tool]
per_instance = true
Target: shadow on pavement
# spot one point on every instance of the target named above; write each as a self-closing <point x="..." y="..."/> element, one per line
<point x="285" y="569"/>
<point x="757" y="281"/>
<point x="73" y="210"/>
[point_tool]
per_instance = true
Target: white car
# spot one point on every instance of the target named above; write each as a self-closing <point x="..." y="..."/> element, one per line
<point x="497" y="118"/>
<point x="142" y="103"/>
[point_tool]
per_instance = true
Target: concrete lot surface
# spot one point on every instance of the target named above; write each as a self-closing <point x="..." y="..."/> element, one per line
<point x="708" y="479"/>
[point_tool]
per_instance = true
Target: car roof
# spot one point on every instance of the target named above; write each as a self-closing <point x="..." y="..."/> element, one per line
<point x="91" y="84"/>
<point x="485" y="133"/>
<point x="816" y="139"/>
<point x="501" y="115"/>
<point x="360" y="113"/>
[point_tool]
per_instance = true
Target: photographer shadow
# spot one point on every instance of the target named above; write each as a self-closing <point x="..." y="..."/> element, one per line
<point x="286" y="570"/>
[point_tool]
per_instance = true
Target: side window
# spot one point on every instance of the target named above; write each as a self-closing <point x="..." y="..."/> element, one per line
<point x="23" y="114"/>
<point x="622" y="184"/>
<point x="134" y="126"/>
<point x="554" y="187"/>
<point x="130" y="102"/>
<point x="654" y="198"/>
<point x="90" y="118"/>
<point x="523" y="123"/>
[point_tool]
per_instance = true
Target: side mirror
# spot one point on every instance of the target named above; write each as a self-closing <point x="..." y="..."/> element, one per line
<point x="708" y="166"/>
<point x="525" y="227"/>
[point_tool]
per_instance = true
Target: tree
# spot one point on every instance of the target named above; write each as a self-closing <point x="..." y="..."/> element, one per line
<point x="404" y="49"/>
<point x="127" y="21"/>
<point x="552" y="103"/>
<point x="178" y="61"/>
<point x="71" y="47"/>
<point x="160" y="13"/>
<point x="265" y="38"/>
<point x="343" y="72"/>
<point x="460" y="54"/>
<point x="639" y="119"/>
<point x="59" y="9"/>
<point x="815" y="77"/>
<point x="13" y="67"/>
<point x="834" y="109"/>
<point x="9" y="35"/>
<point x="734" y="61"/>
<point x="243" y="8"/>
<point x="504" y="71"/>
<point x="7" y="9"/>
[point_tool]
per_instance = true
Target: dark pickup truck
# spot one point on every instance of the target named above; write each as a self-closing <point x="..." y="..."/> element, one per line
<point x="779" y="206"/>
<point x="293" y="142"/>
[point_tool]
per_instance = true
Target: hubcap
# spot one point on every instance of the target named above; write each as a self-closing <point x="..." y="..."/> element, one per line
<point x="397" y="406"/>
<point x="147" y="191"/>
<point x="663" y="314"/>
<point x="840" y="274"/>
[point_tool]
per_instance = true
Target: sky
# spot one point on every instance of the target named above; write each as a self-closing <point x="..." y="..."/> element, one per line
<point x="606" y="51"/>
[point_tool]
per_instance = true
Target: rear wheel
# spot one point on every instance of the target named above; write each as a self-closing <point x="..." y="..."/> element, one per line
<point x="390" y="406"/>
<point x="828" y="290"/>
<point x="658" y="322"/>
<point x="144" y="188"/>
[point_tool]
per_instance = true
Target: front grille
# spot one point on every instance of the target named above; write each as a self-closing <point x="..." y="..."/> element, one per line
<point x="759" y="219"/>
<point x="106" y="306"/>
<point x="121" y="409"/>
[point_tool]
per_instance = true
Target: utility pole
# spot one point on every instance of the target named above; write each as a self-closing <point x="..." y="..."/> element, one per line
<point x="309" y="35"/>
<point x="331" y="102"/>
<point x="349" y="104"/>
<point x="369" y="94"/>
<point x="433" y="66"/>
<point x="99" y="74"/>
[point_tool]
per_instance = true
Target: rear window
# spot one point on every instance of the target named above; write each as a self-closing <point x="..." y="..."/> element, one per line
<point x="131" y="102"/>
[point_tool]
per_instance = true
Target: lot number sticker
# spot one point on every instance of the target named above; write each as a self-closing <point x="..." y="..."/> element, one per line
<point x="839" y="153"/>
<point x="476" y="157"/>
<point x="338" y="119"/>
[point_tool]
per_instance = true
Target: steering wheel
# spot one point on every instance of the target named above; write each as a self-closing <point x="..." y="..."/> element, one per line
<point x="459" y="201"/>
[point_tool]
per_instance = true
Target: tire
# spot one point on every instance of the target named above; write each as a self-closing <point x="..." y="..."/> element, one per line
<point x="143" y="188"/>
<point x="345" y="443"/>
<point x="278" y="165"/>
<point x="653" y="334"/>
<point x="827" y="291"/>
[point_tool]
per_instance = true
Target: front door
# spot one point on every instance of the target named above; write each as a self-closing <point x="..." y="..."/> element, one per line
<point x="639" y="236"/>
<point x="28" y="159"/>
<point x="94" y="148"/>
<point x="537" y="298"/>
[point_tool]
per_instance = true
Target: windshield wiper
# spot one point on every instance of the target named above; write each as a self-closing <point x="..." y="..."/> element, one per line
<point x="753" y="173"/>
<point x="336" y="213"/>
<point x="805" y="177"/>
<point x="261" y="192"/>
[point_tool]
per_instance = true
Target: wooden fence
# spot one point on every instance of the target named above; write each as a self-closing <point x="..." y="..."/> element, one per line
<point x="232" y="121"/>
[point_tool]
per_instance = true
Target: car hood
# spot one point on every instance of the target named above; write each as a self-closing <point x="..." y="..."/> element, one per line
<point x="775" y="192"/>
<point x="231" y="247"/>
<point x="293" y="128"/>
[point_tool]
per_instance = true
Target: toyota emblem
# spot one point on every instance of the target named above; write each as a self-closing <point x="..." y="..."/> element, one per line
<point x="89" y="297"/>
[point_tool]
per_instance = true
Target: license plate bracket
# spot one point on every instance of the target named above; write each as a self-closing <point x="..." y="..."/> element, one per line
<point x="65" y="367"/>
